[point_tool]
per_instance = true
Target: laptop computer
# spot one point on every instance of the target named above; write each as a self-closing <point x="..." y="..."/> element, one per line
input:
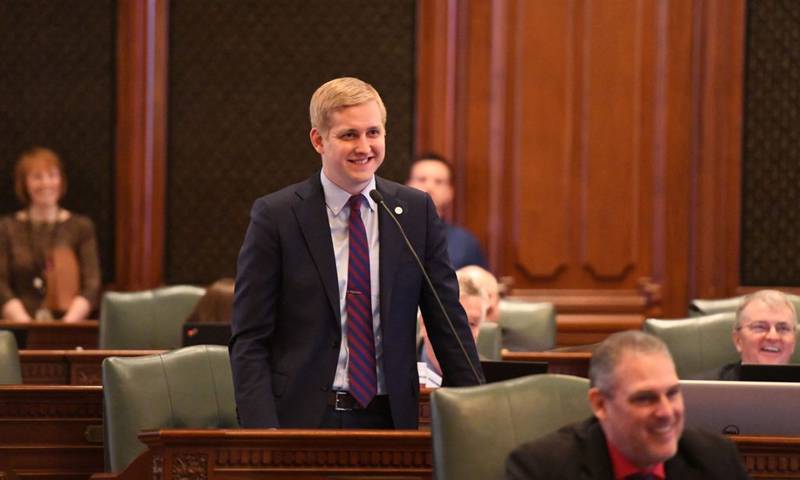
<point x="21" y="336"/>
<point x="741" y="408"/>
<point x="497" y="371"/>
<point x="206" y="333"/>
<point x="751" y="372"/>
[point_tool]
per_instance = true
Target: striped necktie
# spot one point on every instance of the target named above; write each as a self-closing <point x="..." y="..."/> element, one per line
<point x="358" y="304"/>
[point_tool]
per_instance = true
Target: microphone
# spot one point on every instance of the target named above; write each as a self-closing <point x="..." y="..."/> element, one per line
<point x="378" y="198"/>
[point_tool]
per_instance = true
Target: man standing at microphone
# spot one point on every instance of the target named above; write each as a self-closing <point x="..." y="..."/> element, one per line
<point x="327" y="291"/>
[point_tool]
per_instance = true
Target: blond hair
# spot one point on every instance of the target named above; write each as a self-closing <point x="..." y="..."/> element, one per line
<point x="340" y="93"/>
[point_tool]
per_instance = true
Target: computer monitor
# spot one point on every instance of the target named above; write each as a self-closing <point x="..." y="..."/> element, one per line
<point x="206" y="333"/>
<point x="497" y="371"/>
<point x="752" y="372"/>
<point x="744" y="408"/>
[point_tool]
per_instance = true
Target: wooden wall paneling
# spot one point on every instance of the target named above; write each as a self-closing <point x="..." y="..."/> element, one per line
<point x="501" y="120"/>
<point x="716" y="197"/>
<point x="436" y="46"/>
<point x="141" y="147"/>
<point x="609" y="165"/>
<point x="591" y="111"/>
<point x="539" y="199"/>
<point x="672" y="154"/>
<point x="474" y="102"/>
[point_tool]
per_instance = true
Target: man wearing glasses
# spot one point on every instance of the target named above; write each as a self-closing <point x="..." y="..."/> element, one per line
<point x="764" y="333"/>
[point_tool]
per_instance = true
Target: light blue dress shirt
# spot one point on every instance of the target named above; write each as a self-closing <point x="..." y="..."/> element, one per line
<point x="339" y="219"/>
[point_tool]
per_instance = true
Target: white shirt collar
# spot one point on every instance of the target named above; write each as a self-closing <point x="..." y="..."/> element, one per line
<point x="336" y="198"/>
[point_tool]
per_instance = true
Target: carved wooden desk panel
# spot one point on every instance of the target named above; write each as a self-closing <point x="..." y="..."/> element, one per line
<point x="566" y="363"/>
<point x="282" y="454"/>
<point x="293" y="454"/>
<point x="769" y="457"/>
<point x="51" y="431"/>
<point x="581" y="329"/>
<point x="69" y="367"/>
<point x="56" y="334"/>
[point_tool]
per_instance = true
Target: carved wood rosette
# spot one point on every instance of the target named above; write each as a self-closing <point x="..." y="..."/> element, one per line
<point x="190" y="466"/>
<point x="769" y="457"/>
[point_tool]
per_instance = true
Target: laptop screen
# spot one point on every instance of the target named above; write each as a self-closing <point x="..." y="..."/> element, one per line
<point x="497" y="371"/>
<point x="206" y="333"/>
<point x="770" y="373"/>
<point x="745" y="408"/>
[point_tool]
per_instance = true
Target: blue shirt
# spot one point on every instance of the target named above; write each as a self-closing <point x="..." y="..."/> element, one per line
<point x="339" y="219"/>
<point x="463" y="248"/>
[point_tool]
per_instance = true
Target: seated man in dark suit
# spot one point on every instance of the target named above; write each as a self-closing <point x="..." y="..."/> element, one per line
<point x="764" y="333"/>
<point x="637" y="430"/>
<point x="433" y="175"/>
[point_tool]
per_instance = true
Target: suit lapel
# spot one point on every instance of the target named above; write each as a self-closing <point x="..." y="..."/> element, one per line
<point x="597" y="465"/>
<point x="391" y="242"/>
<point x="313" y="220"/>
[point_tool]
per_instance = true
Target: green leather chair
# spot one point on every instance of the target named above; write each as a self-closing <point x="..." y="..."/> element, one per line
<point x="697" y="344"/>
<point x="700" y="306"/>
<point x="150" y="319"/>
<point x="527" y="326"/>
<point x="475" y="428"/>
<point x="10" y="371"/>
<point x="190" y="387"/>
<point x="489" y="341"/>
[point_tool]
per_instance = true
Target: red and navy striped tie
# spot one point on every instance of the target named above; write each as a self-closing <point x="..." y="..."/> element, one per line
<point x="358" y="303"/>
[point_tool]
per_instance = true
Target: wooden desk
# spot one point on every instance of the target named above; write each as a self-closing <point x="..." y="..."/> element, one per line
<point x="51" y="431"/>
<point x="282" y="454"/>
<point x="292" y="454"/>
<point x="57" y="334"/>
<point x="56" y="431"/>
<point x="769" y="457"/>
<point x="69" y="367"/>
<point x="566" y="363"/>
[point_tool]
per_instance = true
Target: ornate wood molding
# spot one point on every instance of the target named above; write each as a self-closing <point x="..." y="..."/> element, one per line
<point x="206" y="453"/>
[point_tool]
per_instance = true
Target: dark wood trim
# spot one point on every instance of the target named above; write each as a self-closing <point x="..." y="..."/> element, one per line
<point x="69" y="367"/>
<point x="717" y="145"/>
<point x="282" y="454"/>
<point x="55" y="334"/>
<point x="564" y="363"/>
<point x="353" y="453"/>
<point x="141" y="143"/>
<point x="436" y="43"/>
<point x="51" y="431"/>
<point x="672" y="151"/>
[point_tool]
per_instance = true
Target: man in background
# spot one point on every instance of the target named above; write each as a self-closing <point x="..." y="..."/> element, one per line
<point x="765" y="332"/>
<point x="637" y="431"/>
<point x="476" y="302"/>
<point x="484" y="280"/>
<point x="432" y="174"/>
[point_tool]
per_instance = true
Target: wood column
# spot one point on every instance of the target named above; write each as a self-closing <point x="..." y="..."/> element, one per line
<point x="141" y="142"/>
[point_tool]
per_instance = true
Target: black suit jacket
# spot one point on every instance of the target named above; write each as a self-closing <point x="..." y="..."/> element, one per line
<point x="286" y="327"/>
<point x="579" y="452"/>
<point x="730" y="371"/>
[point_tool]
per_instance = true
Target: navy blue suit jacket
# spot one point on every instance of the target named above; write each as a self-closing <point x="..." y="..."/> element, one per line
<point x="464" y="248"/>
<point x="286" y="327"/>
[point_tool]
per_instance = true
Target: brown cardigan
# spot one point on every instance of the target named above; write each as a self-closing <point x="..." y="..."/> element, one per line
<point x="22" y="247"/>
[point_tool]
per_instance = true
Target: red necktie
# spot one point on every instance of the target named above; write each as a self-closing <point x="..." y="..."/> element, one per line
<point x="358" y="304"/>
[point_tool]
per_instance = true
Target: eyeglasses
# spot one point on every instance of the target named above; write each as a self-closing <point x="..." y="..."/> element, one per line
<point x="763" y="328"/>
